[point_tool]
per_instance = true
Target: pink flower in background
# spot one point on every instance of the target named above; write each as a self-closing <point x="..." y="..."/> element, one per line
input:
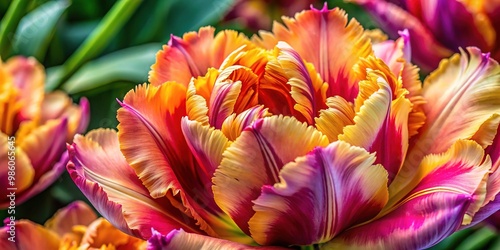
<point x="73" y="227"/>
<point x="258" y="15"/>
<point x="307" y="135"/>
<point x="34" y="129"/>
<point x="439" y="27"/>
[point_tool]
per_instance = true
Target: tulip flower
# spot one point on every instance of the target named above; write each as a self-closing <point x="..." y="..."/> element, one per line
<point x="307" y="136"/>
<point x="34" y="128"/>
<point x="438" y="28"/>
<point x="73" y="227"/>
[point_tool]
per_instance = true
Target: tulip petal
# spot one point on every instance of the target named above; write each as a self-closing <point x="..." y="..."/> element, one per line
<point x="462" y="94"/>
<point x="426" y="50"/>
<point x="235" y="124"/>
<point x="57" y="105"/>
<point x="333" y="46"/>
<point x="380" y="125"/>
<point x="104" y="176"/>
<point x="101" y="233"/>
<point x="319" y="196"/>
<point x="417" y="224"/>
<point x="19" y="166"/>
<point x="45" y="145"/>
<point x="207" y="145"/>
<point x="179" y="239"/>
<point x="192" y="55"/>
<point x="153" y="114"/>
<point x="307" y="88"/>
<point x="27" y="234"/>
<point x="473" y="29"/>
<point x="331" y="121"/>
<point x="76" y="213"/>
<point x="28" y="76"/>
<point x="255" y="159"/>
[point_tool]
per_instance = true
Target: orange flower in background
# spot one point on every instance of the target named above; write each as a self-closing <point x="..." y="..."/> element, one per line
<point x="74" y="227"/>
<point x="308" y="136"/>
<point x="34" y="129"/>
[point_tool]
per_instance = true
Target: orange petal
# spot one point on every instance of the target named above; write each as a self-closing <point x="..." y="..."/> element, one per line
<point x="76" y="213"/>
<point x="28" y="76"/>
<point x="101" y="233"/>
<point x="235" y="124"/>
<point x="18" y="167"/>
<point x="27" y="235"/>
<point x="333" y="46"/>
<point x="194" y="54"/>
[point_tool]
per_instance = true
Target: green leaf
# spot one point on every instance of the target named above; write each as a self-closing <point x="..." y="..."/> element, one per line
<point x="130" y="65"/>
<point x="34" y="33"/>
<point x="96" y="42"/>
<point x="9" y="23"/>
<point x="190" y="15"/>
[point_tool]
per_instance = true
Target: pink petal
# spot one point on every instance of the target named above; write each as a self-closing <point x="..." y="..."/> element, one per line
<point x="319" y="196"/>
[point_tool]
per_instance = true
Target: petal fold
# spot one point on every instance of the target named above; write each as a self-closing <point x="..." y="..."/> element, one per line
<point x="319" y="196"/>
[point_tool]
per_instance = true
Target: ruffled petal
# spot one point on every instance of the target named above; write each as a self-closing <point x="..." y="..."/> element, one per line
<point x="333" y="46"/>
<point x="332" y="121"/>
<point x="380" y="125"/>
<point x="307" y="88"/>
<point x="235" y="124"/>
<point x="319" y="196"/>
<point x="27" y="234"/>
<point x="255" y="159"/>
<point x="462" y="94"/>
<point x="461" y="169"/>
<point x="192" y="55"/>
<point x="153" y="115"/>
<point x="104" y="176"/>
<point x="76" y="213"/>
<point x="417" y="224"/>
<point x="178" y="239"/>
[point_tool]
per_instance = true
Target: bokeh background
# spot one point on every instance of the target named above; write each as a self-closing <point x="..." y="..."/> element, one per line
<point x="101" y="49"/>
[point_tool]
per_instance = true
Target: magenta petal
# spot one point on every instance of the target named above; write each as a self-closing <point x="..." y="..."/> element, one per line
<point x="99" y="169"/>
<point x="417" y="224"/>
<point x="178" y="239"/>
<point x="319" y="196"/>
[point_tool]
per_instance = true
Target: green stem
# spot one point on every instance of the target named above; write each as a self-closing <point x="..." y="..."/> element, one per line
<point x="9" y="24"/>
<point x="99" y="38"/>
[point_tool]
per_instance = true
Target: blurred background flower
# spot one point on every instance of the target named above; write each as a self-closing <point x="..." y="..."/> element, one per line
<point x="439" y="27"/>
<point x="73" y="227"/>
<point x="38" y="125"/>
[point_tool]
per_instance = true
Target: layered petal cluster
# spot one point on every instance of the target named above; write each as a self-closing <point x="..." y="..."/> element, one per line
<point x="34" y="128"/>
<point x="74" y="227"/>
<point x="307" y="135"/>
<point x="438" y="28"/>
